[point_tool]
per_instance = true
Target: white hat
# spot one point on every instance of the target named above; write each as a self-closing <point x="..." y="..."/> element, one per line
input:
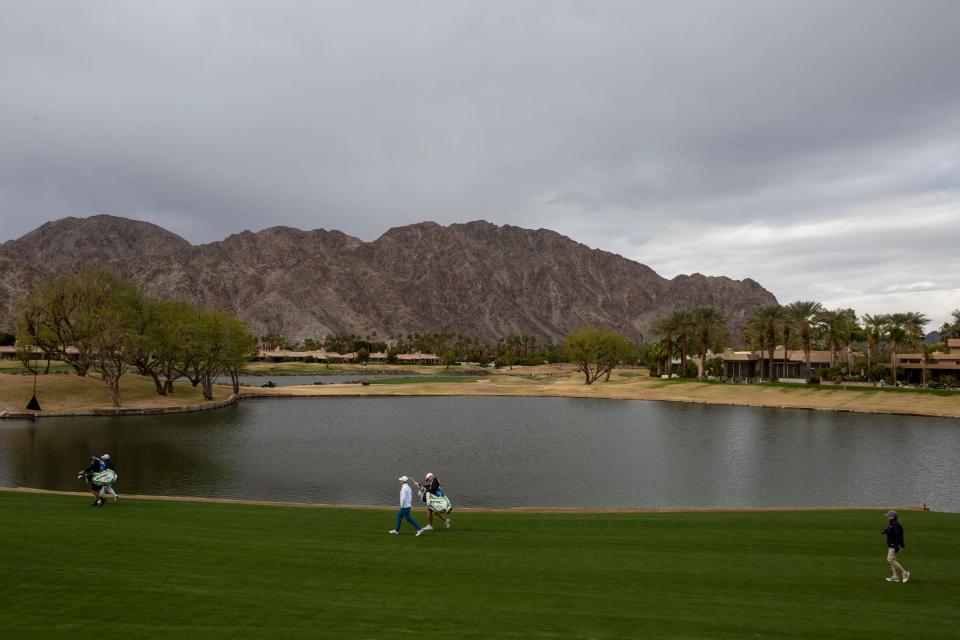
<point x="429" y="475"/>
<point x="403" y="478"/>
<point x="105" y="456"/>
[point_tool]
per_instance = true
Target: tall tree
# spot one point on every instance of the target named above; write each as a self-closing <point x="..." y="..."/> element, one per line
<point x="894" y="329"/>
<point x="667" y="328"/>
<point x="873" y="334"/>
<point x="767" y="318"/>
<point x="596" y="351"/>
<point x="804" y="315"/>
<point x="85" y="321"/>
<point x="707" y="321"/>
<point x="683" y="323"/>
<point x="839" y="326"/>
<point x="951" y="329"/>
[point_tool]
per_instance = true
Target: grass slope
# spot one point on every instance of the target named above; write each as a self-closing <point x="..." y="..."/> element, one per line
<point x="73" y="393"/>
<point x="152" y="569"/>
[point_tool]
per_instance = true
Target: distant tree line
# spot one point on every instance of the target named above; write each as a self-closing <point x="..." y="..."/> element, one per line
<point x="802" y="325"/>
<point x="98" y="322"/>
<point x="449" y="346"/>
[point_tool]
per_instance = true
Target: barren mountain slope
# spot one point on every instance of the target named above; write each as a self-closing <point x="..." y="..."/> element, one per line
<point x="475" y="278"/>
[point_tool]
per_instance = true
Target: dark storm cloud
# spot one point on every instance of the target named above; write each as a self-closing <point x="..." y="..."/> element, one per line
<point x="814" y="146"/>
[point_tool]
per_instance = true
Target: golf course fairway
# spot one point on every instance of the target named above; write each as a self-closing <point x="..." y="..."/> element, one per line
<point x="168" y="569"/>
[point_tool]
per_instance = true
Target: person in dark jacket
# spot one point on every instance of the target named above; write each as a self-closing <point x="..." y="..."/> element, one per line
<point x="96" y="466"/>
<point x="895" y="544"/>
<point x="107" y="463"/>
<point x="432" y="485"/>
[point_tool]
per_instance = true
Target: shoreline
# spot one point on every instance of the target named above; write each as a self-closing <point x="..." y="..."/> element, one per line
<point x="523" y="382"/>
<point x="631" y="387"/>
<point x="254" y="395"/>
<point x="208" y="405"/>
<point x="330" y="505"/>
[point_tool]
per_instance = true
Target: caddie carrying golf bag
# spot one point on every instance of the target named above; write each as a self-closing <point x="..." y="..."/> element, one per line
<point x="437" y="504"/>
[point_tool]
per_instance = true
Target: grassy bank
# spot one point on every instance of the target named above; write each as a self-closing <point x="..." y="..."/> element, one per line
<point x="73" y="393"/>
<point x="320" y="368"/>
<point x="16" y="367"/>
<point x="159" y="569"/>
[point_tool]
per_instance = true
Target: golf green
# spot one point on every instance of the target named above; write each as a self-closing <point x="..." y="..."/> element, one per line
<point x="166" y="569"/>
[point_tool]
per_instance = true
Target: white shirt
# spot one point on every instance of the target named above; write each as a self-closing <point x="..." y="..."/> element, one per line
<point x="406" y="496"/>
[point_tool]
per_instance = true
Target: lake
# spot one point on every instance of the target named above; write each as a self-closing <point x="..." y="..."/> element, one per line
<point x="504" y="452"/>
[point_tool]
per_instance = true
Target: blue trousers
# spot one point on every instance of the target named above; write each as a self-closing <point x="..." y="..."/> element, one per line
<point x="405" y="514"/>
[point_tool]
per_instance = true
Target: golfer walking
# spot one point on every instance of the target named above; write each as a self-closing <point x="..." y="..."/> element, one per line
<point x="406" y="501"/>
<point x="87" y="474"/>
<point x="107" y="463"/>
<point x="895" y="545"/>
<point x="432" y="485"/>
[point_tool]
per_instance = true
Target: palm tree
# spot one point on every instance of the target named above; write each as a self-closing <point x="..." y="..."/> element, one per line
<point x="914" y="325"/>
<point x="900" y="328"/>
<point x="707" y="321"/>
<point x="804" y="315"/>
<point x="873" y="333"/>
<point x="682" y="321"/>
<point x="787" y="328"/>
<point x="667" y="329"/>
<point x="768" y="317"/>
<point x="894" y="331"/>
<point x="951" y="329"/>
<point x="839" y="325"/>
<point x="925" y="351"/>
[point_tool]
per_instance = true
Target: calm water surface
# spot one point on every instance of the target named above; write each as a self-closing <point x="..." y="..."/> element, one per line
<point x="505" y="452"/>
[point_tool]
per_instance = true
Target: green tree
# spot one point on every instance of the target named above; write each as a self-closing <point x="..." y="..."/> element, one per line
<point x="839" y="326"/>
<point x="84" y="320"/>
<point x="872" y="335"/>
<point x="667" y="329"/>
<point x="596" y="351"/>
<point x="951" y="329"/>
<point x="804" y="315"/>
<point x="714" y="366"/>
<point x="707" y="322"/>
<point x="449" y="357"/>
<point x="766" y="319"/>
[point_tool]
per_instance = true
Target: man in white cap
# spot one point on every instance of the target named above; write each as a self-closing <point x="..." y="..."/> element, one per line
<point x="406" y="501"/>
<point x="107" y="463"/>
<point x="895" y="545"/>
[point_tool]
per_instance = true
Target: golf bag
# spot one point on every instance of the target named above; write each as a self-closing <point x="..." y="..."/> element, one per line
<point x="439" y="504"/>
<point x="107" y="476"/>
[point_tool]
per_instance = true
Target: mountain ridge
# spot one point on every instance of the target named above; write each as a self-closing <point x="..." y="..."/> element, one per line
<point x="476" y="278"/>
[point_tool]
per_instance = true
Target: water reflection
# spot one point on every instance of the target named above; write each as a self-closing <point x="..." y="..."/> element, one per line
<point x="505" y="452"/>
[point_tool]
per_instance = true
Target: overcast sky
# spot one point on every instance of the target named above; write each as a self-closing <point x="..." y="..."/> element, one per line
<point x="812" y="146"/>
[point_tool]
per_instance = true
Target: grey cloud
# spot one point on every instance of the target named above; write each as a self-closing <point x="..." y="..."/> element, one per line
<point x="630" y="126"/>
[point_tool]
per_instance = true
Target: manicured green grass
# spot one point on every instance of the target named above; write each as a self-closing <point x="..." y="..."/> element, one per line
<point x="157" y="569"/>
<point x="18" y="368"/>
<point x="421" y="379"/>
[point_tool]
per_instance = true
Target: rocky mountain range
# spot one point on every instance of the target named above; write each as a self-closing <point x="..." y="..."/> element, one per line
<point x="475" y="278"/>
